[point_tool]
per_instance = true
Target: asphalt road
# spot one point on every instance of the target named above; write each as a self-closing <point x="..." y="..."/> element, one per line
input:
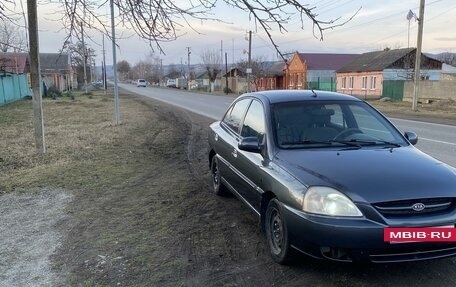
<point x="437" y="140"/>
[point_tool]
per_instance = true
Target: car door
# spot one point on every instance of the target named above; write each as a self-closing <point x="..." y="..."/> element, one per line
<point x="248" y="164"/>
<point x="227" y="140"/>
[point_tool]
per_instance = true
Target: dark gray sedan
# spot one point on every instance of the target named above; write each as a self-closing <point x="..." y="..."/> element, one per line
<point x="326" y="173"/>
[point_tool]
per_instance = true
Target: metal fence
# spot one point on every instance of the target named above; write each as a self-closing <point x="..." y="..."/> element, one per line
<point x="13" y="87"/>
<point x="323" y="84"/>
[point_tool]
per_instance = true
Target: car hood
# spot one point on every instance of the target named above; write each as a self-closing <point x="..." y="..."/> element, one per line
<point x="372" y="174"/>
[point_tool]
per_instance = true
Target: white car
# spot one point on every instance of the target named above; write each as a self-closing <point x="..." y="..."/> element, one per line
<point x="141" y="83"/>
<point x="171" y="83"/>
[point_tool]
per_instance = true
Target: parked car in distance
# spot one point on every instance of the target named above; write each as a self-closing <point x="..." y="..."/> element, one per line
<point x="141" y="83"/>
<point x="326" y="173"/>
<point x="171" y="83"/>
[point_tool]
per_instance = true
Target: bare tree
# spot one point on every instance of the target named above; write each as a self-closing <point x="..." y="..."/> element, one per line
<point x="123" y="67"/>
<point x="155" y="73"/>
<point x="212" y="63"/>
<point x="11" y="38"/>
<point x="163" y="20"/>
<point x="78" y="52"/>
<point x="259" y="67"/>
<point x="4" y="10"/>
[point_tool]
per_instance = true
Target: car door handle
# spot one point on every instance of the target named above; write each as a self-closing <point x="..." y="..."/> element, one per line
<point x="234" y="153"/>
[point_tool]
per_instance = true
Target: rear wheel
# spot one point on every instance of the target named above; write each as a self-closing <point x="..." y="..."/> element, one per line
<point x="217" y="185"/>
<point x="277" y="234"/>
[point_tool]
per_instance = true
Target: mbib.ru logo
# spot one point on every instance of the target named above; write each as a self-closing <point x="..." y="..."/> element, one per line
<point x="428" y="234"/>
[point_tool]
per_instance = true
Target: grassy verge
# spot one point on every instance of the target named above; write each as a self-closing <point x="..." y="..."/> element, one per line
<point x="81" y="143"/>
<point x="443" y="111"/>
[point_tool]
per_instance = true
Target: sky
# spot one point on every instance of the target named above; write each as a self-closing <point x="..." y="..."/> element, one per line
<point x="377" y="25"/>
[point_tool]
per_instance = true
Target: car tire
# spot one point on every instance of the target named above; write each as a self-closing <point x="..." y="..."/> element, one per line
<point x="217" y="185"/>
<point x="277" y="234"/>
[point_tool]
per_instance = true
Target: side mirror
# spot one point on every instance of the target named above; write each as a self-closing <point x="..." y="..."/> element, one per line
<point x="250" y="144"/>
<point x="411" y="137"/>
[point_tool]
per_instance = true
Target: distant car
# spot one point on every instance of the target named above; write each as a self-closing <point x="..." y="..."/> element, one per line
<point x="171" y="83"/>
<point x="141" y="83"/>
<point x="326" y="173"/>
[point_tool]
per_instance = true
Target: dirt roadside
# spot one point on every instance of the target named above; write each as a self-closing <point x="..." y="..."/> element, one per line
<point x="138" y="210"/>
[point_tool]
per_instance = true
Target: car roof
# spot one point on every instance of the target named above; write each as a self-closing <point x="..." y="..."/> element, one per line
<point x="280" y="96"/>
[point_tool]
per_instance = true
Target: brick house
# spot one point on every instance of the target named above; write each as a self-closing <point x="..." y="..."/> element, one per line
<point x="315" y="70"/>
<point x="273" y="78"/>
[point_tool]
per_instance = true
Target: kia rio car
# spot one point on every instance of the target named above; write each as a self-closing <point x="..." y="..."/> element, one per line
<point x="326" y="173"/>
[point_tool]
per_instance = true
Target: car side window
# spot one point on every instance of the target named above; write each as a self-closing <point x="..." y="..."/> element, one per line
<point x="254" y="123"/>
<point x="234" y="115"/>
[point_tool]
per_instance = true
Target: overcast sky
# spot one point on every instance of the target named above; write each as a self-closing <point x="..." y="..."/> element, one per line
<point x="379" y="24"/>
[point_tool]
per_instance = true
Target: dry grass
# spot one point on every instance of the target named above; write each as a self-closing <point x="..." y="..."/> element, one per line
<point x="443" y="111"/>
<point x="81" y="142"/>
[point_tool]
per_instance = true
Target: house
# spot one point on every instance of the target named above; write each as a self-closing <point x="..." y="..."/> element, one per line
<point x="315" y="70"/>
<point x="203" y="82"/>
<point x="374" y="74"/>
<point x="273" y="78"/>
<point x="56" y="71"/>
<point x="236" y="79"/>
<point x="14" y="84"/>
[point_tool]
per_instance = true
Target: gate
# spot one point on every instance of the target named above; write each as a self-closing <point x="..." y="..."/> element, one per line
<point x="393" y="90"/>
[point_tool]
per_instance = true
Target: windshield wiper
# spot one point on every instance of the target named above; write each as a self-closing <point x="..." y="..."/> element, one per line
<point x="329" y="142"/>
<point x="372" y="142"/>
<point x="305" y="142"/>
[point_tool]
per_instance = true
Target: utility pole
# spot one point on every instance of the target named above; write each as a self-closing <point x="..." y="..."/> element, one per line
<point x="114" y="66"/>
<point x="249" y="69"/>
<point x="221" y="51"/>
<point x="35" y="77"/>
<point x="419" y="42"/>
<point x="103" y="67"/>
<point x="161" y="72"/>
<point x="226" y="73"/>
<point x="188" y="68"/>
<point x="84" y="56"/>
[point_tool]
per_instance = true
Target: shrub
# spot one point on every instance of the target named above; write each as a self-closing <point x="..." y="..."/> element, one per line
<point x="53" y="92"/>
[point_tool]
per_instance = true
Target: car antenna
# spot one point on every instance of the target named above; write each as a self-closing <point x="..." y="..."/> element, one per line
<point x="314" y="94"/>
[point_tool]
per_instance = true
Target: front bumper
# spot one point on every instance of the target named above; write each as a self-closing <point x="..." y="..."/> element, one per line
<point x="360" y="239"/>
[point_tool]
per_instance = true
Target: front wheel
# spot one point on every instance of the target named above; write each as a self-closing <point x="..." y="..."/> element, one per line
<point x="217" y="185"/>
<point x="277" y="234"/>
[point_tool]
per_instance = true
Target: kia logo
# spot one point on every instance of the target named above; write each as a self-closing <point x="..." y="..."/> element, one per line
<point x="418" y="206"/>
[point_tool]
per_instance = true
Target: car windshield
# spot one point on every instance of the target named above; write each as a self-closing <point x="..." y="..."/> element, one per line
<point x="320" y="124"/>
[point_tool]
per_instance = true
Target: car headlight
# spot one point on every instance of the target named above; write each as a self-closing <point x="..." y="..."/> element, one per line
<point x="328" y="201"/>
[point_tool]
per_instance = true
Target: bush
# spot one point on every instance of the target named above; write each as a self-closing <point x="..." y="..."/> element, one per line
<point x="52" y="92"/>
<point x="227" y="90"/>
<point x="68" y="94"/>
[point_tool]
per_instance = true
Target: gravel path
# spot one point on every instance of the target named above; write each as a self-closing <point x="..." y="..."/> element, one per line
<point x="29" y="236"/>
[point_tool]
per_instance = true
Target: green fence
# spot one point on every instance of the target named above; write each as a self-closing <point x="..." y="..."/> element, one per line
<point x="393" y="90"/>
<point x="13" y="87"/>
<point x="323" y="84"/>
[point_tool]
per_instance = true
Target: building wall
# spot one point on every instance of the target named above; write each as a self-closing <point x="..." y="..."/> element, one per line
<point x="407" y="74"/>
<point x="295" y="74"/>
<point x="369" y="91"/>
<point x="431" y="90"/>
<point x="59" y="81"/>
<point x="270" y="83"/>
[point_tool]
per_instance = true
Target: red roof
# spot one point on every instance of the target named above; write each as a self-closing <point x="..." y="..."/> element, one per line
<point x="16" y="63"/>
<point x="315" y="61"/>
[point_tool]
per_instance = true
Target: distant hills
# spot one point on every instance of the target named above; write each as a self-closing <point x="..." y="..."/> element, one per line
<point x="446" y="57"/>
